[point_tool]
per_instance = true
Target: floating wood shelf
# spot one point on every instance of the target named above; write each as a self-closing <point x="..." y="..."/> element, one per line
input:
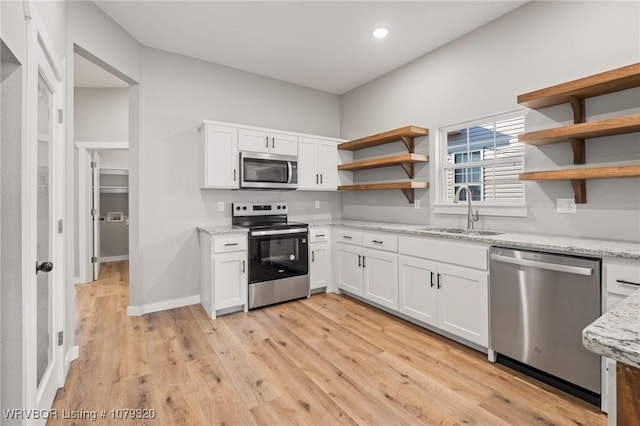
<point x="405" y="160"/>
<point x="611" y="81"/>
<point x="578" y="177"/>
<point x="406" y="187"/>
<point x="592" y="129"/>
<point x="575" y="92"/>
<point x="404" y="134"/>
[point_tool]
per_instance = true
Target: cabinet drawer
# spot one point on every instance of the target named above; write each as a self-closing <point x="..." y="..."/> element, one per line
<point x="468" y="254"/>
<point x="349" y="236"/>
<point x="622" y="276"/>
<point x="380" y="241"/>
<point x="230" y="243"/>
<point x="318" y="234"/>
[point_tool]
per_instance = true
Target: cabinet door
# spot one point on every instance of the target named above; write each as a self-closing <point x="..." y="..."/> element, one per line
<point x="283" y="144"/>
<point x="319" y="265"/>
<point x="220" y="157"/>
<point x="328" y="165"/>
<point x="463" y="303"/>
<point x="308" y="177"/>
<point x="230" y="280"/>
<point x="381" y="277"/>
<point x="350" y="268"/>
<point x="417" y="288"/>
<point x="253" y="140"/>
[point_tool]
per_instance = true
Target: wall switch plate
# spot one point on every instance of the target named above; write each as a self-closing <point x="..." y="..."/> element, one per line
<point x="317" y="204"/>
<point x="416" y="204"/>
<point x="220" y="206"/>
<point x="565" y="205"/>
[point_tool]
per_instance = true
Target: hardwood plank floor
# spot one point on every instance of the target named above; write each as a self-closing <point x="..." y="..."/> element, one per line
<point x="325" y="360"/>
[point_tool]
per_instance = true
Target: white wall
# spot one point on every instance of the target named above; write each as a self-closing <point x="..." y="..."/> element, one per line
<point x="178" y="94"/>
<point x="101" y="114"/>
<point x="537" y="45"/>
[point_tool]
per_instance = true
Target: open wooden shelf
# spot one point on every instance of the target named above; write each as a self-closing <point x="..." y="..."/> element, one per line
<point x="578" y="177"/>
<point x="611" y="81"/>
<point x="405" y="160"/>
<point x="592" y="129"/>
<point x="404" y="134"/>
<point x="406" y="187"/>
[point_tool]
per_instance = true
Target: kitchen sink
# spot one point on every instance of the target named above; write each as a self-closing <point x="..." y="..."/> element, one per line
<point x="462" y="231"/>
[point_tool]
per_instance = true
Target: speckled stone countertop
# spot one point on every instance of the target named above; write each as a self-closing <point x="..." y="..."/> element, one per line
<point x="554" y="243"/>
<point x="616" y="334"/>
<point x="221" y="229"/>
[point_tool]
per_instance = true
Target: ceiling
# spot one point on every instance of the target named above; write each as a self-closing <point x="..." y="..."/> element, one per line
<point x="325" y="45"/>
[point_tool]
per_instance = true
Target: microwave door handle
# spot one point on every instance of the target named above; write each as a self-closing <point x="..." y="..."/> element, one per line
<point x="290" y="168"/>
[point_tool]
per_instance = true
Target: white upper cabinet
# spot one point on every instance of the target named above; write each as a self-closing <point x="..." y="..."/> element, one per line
<point x="317" y="164"/>
<point x="219" y="153"/>
<point x="267" y="142"/>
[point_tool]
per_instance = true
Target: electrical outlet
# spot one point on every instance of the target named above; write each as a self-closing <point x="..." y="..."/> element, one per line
<point x="565" y="205"/>
<point x="220" y="206"/>
<point x="416" y="204"/>
<point x="317" y="204"/>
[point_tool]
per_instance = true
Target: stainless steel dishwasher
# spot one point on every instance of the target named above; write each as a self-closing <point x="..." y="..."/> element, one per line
<point x="540" y="303"/>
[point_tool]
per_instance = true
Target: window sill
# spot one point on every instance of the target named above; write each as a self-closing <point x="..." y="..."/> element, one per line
<point x="483" y="209"/>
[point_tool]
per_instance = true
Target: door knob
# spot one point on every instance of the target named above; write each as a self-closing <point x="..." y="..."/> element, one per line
<point x="44" y="267"/>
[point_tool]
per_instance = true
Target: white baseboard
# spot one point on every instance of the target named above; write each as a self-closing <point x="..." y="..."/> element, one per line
<point x="114" y="258"/>
<point x="72" y="354"/>
<point x="136" y="311"/>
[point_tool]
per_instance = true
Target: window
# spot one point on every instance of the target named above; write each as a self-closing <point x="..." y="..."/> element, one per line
<point x="485" y="156"/>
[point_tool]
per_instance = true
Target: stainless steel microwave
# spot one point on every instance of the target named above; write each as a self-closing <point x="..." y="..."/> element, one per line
<point x="268" y="171"/>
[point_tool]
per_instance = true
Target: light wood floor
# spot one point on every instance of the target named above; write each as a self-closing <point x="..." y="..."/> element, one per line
<point x="326" y="360"/>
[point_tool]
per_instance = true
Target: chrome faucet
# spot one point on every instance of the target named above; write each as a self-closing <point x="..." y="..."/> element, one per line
<point x="471" y="218"/>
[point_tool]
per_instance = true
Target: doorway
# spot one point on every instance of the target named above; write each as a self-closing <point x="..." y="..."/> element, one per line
<point x="101" y="129"/>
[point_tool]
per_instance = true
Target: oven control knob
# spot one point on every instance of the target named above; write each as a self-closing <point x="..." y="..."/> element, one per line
<point x="284" y="207"/>
<point x="244" y="207"/>
<point x="238" y="208"/>
<point x="278" y="207"/>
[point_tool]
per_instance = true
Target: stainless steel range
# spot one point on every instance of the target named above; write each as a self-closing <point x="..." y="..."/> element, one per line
<point x="278" y="253"/>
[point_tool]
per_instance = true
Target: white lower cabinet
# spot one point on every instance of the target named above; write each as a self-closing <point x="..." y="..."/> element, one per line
<point x="349" y="259"/>
<point x="451" y="298"/>
<point x="319" y="258"/>
<point x="380" y="271"/>
<point x="223" y="272"/>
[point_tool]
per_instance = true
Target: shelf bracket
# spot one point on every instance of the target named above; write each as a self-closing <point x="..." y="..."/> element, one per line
<point x="408" y="142"/>
<point x="579" y="190"/>
<point x="409" y="194"/>
<point x="579" y="152"/>
<point x="408" y="167"/>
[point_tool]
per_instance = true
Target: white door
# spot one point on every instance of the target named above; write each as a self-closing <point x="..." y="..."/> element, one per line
<point x="308" y="177"/>
<point x="230" y="278"/>
<point x="95" y="214"/>
<point x="319" y="266"/>
<point x="417" y="289"/>
<point x="283" y="144"/>
<point x="463" y="303"/>
<point x="381" y="277"/>
<point x="328" y="165"/>
<point x="350" y="268"/>
<point x="220" y="167"/>
<point x="44" y="370"/>
<point x="253" y="141"/>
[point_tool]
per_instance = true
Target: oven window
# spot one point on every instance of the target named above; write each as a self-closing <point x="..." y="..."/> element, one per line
<point x="277" y="257"/>
<point x="257" y="170"/>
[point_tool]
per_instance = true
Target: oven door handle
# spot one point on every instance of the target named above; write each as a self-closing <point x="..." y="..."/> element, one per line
<point x="279" y="232"/>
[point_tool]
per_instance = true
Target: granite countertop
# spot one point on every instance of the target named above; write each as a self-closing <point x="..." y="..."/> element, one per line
<point x="554" y="243"/>
<point x="616" y="334"/>
<point x="221" y="229"/>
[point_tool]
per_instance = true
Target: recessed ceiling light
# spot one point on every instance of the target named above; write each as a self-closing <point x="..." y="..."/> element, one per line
<point x="380" y="32"/>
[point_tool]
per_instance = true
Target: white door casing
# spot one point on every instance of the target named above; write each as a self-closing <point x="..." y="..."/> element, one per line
<point x="95" y="214"/>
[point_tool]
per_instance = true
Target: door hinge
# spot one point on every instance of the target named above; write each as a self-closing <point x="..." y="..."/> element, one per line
<point x="60" y="338"/>
<point x="94" y="165"/>
<point x="94" y="259"/>
<point x="60" y="116"/>
<point x="94" y="212"/>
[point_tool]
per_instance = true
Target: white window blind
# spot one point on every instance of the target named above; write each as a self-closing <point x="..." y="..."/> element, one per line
<point x="484" y="155"/>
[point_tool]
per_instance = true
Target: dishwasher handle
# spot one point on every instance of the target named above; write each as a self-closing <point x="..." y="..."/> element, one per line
<point x="577" y="270"/>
